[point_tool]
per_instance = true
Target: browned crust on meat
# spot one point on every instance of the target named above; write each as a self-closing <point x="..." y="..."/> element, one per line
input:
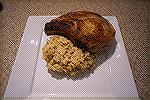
<point x="89" y="29"/>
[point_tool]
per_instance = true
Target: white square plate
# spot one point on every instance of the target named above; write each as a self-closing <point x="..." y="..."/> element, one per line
<point x="112" y="78"/>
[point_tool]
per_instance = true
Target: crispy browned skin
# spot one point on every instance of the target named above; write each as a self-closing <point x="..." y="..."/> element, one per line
<point x="84" y="28"/>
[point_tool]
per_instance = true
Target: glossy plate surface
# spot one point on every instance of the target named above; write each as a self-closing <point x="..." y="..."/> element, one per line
<point x="112" y="77"/>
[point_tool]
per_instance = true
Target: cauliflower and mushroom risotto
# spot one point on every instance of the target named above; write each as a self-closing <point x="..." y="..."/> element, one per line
<point x="62" y="56"/>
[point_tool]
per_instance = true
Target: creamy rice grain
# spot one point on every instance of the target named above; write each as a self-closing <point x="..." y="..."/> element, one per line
<point x="62" y="56"/>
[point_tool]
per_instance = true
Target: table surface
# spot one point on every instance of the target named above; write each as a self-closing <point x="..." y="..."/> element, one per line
<point x="133" y="18"/>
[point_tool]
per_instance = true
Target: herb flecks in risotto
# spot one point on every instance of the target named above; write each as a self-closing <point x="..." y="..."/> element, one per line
<point x="62" y="56"/>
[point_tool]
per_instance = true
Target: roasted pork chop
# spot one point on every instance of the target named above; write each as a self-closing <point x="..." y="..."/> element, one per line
<point x="85" y="29"/>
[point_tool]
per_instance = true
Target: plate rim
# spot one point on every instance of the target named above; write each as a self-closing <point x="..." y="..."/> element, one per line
<point x="23" y="43"/>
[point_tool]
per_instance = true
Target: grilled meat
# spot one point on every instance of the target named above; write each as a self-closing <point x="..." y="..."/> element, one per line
<point x="85" y="29"/>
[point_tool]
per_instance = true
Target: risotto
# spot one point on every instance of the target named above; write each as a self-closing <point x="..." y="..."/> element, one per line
<point x="63" y="57"/>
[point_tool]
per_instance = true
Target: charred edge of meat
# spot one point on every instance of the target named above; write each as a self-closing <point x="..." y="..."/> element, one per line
<point x="80" y="45"/>
<point x="56" y="25"/>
